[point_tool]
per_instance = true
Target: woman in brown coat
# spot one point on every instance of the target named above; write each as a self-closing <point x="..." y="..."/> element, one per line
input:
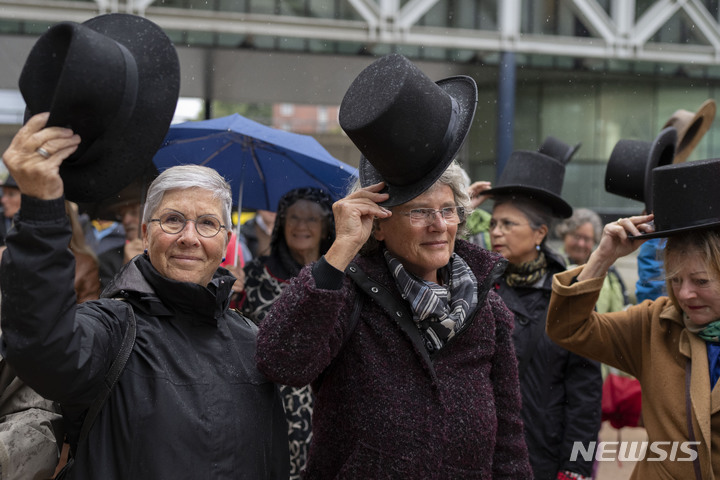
<point x="672" y="344"/>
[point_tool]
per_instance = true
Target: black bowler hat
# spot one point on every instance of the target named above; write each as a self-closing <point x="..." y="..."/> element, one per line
<point x="556" y="148"/>
<point x="407" y="127"/>
<point x="114" y="80"/>
<point x="9" y="182"/>
<point x="629" y="169"/>
<point x="536" y="176"/>
<point x="685" y="197"/>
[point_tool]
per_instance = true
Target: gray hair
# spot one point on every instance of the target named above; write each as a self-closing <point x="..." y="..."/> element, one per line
<point x="454" y="178"/>
<point x="580" y="217"/>
<point x="184" y="177"/>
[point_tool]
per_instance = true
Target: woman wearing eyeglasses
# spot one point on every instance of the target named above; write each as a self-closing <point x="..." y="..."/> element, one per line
<point x="304" y="230"/>
<point x="561" y="391"/>
<point x="397" y="328"/>
<point x="189" y="402"/>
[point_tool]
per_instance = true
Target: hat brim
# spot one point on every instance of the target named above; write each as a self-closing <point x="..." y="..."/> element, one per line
<point x="464" y="91"/>
<point x="676" y="231"/>
<point x="696" y="129"/>
<point x="666" y="140"/>
<point x="559" y="207"/>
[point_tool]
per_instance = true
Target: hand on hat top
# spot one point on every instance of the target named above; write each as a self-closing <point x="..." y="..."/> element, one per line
<point x="475" y="192"/>
<point x="615" y="243"/>
<point x="354" y="217"/>
<point x="34" y="174"/>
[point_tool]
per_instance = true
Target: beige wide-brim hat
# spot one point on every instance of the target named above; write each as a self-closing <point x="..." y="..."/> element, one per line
<point x="691" y="127"/>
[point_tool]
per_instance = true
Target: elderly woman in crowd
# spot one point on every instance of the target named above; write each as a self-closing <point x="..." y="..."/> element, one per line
<point x="407" y="346"/>
<point x="561" y="391"/>
<point x="671" y="344"/>
<point x="303" y="231"/>
<point x="580" y="233"/>
<point x="190" y="402"/>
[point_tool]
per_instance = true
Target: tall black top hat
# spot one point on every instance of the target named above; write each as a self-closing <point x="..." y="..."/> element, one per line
<point x="629" y="169"/>
<point x="685" y="197"/>
<point x="536" y="176"/>
<point x="691" y="127"/>
<point x="114" y="80"/>
<point x="407" y="127"/>
<point x="556" y="148"/>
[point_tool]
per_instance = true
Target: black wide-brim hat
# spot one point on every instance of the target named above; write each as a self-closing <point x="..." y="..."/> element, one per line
<point x="535" y="176"/>
<point x="114" y="80"/>
<point x="629" y="169"/>
<point x="685" y="198"/>
<point x="407" y="127"/>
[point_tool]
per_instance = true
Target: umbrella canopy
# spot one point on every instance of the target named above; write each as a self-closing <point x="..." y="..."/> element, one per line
<point x="260" y="163"/>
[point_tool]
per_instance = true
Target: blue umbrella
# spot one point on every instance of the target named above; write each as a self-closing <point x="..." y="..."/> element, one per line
<point x="260" y="163"/>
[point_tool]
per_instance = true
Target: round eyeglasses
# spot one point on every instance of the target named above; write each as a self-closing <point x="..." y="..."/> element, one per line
<point x="424" y="217"/>
<point x="173" y="223"/>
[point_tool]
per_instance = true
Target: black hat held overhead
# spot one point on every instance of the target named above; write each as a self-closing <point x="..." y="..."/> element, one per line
<point x="685" y="197"/>
<point x="114" y="80"/>
<point x="407" y="127"/>
<point x="629" y="169"/>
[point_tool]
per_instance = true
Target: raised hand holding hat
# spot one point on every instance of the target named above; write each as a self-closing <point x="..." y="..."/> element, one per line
<point x="113" y="80"/>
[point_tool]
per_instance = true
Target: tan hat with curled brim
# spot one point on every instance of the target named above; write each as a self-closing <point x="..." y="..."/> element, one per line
<point x="691" y="127"/>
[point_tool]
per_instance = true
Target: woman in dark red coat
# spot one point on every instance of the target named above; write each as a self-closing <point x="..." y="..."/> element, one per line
<point x="407" y="346"/>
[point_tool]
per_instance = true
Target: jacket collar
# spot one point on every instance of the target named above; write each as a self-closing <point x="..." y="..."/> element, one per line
<point x="158" y="295"/>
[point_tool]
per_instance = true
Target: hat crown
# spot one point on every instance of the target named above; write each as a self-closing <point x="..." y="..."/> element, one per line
<point x="407" y="127"/>
<point x="628" y="172"/>
<point x="691" y="127"/>
<point x="684" y="196"/>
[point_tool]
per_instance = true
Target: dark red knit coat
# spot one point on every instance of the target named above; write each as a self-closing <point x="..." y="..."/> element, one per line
<point x="383" y="410"/>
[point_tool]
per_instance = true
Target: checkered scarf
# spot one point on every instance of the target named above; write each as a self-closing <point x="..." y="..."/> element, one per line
<point x="438" y="310"/>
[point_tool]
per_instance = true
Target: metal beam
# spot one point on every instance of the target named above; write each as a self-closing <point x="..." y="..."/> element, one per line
<point x="617" y="37"/>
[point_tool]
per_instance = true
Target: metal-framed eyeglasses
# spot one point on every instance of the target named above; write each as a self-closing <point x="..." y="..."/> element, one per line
<point x="505" y="226"/>
<point x="205" y="225"/>
<point x="424" y="217"/>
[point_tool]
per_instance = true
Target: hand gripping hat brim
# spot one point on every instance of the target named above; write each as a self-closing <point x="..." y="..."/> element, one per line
<point x="114" y="80"/>
<point x="536" y="176"/>
<point x="685" y="198"/>
<point x="407" y="127"/>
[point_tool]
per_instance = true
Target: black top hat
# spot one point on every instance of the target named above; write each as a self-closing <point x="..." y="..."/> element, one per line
<point x="691" y="127"/>
<point x="114" y="80"/>
<point x="536" y="176"/>
<point x="684" y="195"/>
<point x="407" y="127"/>
<point x="629" y="169"/>
<point x="553" y="147"/>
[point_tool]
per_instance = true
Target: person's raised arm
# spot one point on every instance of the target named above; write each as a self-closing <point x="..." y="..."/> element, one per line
<point x="616" y="241"/>
<point x="354" y="217"/>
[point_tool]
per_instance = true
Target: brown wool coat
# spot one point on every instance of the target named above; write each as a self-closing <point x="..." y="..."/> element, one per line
<point x="650" y="342"/>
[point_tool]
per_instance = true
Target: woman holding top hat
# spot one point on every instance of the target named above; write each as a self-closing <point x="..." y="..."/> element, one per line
<point x="397" y="326"/>
<point x="561" y="391"/>
<point x="156" y="379"/>
<point x="671" y="344"/>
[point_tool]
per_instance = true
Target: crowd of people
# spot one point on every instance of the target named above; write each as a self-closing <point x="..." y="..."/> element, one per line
<point x="402" y="331"/>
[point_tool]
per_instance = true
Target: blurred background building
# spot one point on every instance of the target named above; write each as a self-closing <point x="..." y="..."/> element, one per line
<point x="587" y="71"/>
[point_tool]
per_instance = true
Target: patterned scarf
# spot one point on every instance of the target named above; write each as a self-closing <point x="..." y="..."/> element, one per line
<point x="526" y="273"/>
<point x="438" y="310"/>
<point x="709" y="332"/>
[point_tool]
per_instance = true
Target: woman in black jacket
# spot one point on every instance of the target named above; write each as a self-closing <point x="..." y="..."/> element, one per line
<point x="561" y="392"/>
<point x="190" y="402"/>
